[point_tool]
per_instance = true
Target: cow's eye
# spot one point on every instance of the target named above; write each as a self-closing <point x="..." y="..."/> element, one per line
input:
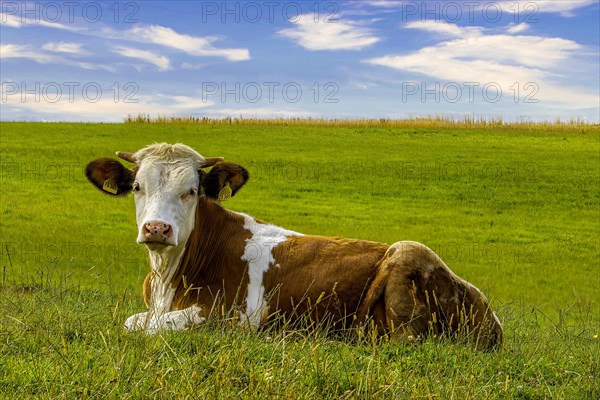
<point x="136" y="187"/>
<point x="189" y="194"/>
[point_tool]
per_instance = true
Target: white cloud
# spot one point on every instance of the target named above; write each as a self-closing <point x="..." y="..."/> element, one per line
<point x="262" y="112"/>
<point x="496" y="58"/>
<point x="195" y="66"/>
<point x="562" y="7"/>
<point x="9" y="20"/>
<point x="25" y="51"/>
<point x="329" y="35"/>
<point x="382" y="3"/>
<point x="193" y="45"/>
<point x="12" y="21"/>
<point x="518" y="28"/>
<point x="444" y="28"/>
<point x="155" y="34"/>
<point x="362" y="84"/>
<point x="105" y="109"/>
<point x="525" y="7"/>
<point x="162" y="62"/>
<point x="63" y="47"/>
<point x="9" y="51"/>
<point x="473" y="44"/>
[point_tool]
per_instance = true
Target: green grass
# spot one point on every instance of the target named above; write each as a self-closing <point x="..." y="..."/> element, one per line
<point x="513" y="210"/>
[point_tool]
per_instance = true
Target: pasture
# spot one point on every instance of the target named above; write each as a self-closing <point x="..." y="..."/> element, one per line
<point x="515" y="210"/>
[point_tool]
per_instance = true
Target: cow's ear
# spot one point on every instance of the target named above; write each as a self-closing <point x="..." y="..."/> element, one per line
<point x="224" y="180"/>
<point x="110" y="176"/>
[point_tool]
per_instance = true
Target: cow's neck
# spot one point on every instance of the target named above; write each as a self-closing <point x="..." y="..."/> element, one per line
<point x="164" y="267"/>
<point x="213" y="250"/>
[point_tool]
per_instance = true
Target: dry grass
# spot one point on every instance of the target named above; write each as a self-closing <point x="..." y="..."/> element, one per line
<point x="433" y="122"/>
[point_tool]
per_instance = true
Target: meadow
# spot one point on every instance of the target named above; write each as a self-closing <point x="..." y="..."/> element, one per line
<point x="512" y="208"/>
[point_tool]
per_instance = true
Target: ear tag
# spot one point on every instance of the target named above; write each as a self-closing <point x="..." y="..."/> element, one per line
<point x="110" y="186"/>
<point x="225" y="193"/>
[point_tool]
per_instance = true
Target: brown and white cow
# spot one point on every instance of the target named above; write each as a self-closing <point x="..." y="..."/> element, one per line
<point x="204" y="257"/>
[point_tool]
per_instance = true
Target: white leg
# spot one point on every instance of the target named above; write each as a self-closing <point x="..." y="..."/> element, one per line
<point x="176" y="320"/>
<point x="137" y="322"/>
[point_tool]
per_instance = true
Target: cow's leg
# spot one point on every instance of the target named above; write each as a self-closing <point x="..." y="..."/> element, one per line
<point x="137" y="322"/>
<point x="176" y="320"/>
<point x="423" y="296"/>
<point x="173" y="320"/>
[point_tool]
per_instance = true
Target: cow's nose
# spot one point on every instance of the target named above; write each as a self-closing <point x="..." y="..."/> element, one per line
<point x="156" y="231"/>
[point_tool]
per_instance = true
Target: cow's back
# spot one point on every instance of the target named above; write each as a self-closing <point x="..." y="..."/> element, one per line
<point x="321" y="277"/>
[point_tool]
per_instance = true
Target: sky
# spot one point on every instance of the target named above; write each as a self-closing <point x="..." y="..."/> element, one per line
<point x="101" y="61"/>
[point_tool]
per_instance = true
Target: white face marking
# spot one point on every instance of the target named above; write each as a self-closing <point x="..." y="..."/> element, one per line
<point x="166" y="193"/>
<point x="259" y="255"/>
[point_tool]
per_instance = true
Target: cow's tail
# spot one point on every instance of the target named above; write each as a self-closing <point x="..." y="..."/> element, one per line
<point x="372" y="305"/>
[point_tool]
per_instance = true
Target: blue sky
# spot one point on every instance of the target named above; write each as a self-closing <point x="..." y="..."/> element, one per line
<point x="100" y="61"/>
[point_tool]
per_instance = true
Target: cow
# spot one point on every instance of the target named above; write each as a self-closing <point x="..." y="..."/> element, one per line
<point x="205" y="258"/>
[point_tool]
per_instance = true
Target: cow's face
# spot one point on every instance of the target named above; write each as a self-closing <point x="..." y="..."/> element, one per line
<point x="165" y="196"/>
<point x="166" y="183"/>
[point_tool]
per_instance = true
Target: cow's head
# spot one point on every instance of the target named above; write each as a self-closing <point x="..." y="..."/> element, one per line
<point x="166" y="182"/>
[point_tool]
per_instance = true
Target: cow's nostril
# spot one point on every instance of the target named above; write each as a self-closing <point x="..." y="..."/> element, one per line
<point x="157" y="231"/>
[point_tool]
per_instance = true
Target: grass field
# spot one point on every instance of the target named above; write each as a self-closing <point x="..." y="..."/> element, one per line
<point x="514" y="210"/>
